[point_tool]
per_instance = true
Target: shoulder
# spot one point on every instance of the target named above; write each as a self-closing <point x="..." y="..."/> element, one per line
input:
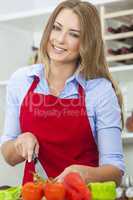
<point x="23" y="72"/>
<point x="99" y="91"/>
<point x="23" y="75"/>
<point x="99" y="87"/>
<point x="19" y="75"/>
<point x="98" y="84"/>
<point x="20" y="81"/>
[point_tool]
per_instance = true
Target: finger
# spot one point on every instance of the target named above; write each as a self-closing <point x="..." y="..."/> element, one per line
<point x="19" y="149"/>
<point x="30" y="153"/>
<point x="58" y="179"/>
<point x="23" y="152"/>
<point x="37" y="149"/>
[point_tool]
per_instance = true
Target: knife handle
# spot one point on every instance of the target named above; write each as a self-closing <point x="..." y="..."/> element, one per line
<point x="34" y="158"/>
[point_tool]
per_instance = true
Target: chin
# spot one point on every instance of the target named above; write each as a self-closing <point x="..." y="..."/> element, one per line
<point x="57" y="59"/>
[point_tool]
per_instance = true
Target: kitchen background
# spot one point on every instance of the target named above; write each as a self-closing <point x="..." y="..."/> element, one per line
<point x="21" y="25"/>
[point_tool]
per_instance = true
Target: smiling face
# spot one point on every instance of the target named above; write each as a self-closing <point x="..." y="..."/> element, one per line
<point x="64" y="41"/>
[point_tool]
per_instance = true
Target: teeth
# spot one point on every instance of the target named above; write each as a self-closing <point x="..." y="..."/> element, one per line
<point x="58" y="49"/>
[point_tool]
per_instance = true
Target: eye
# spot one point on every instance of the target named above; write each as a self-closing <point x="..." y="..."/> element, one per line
<point x="57" y="28"/>
<point x="74" y="35"/>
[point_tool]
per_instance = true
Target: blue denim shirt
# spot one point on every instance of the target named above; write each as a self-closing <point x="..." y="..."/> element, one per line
<point x="101" y="103"/>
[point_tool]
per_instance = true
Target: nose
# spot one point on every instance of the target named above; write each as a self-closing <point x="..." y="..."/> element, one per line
<point x="61" y="37"/>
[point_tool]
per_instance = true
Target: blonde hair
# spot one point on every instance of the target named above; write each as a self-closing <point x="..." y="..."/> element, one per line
<point x="92" y="52"/>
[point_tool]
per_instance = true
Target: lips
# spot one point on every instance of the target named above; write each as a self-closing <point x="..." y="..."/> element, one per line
<point x="58" y="49"/>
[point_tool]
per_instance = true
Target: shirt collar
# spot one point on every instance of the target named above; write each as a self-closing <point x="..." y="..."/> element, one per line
<point x="38" y="70"/>
<point x="81" y="80"/>
<point x="78" y="77"/>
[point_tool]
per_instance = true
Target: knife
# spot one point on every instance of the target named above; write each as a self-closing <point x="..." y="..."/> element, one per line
<point x="38" y="167"/>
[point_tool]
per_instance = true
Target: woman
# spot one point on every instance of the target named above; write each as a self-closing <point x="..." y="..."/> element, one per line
<point x="68" y="108"/>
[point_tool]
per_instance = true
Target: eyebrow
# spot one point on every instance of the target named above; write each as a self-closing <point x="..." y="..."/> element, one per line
<point x="75" y="30"/>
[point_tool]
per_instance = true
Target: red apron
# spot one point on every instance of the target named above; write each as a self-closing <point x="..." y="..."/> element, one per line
<point x="62" y="128"/>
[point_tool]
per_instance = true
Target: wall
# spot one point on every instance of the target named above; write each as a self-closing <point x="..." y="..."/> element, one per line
<point x="46" y="4"/>
<point x="11" y="176"/>
<point x="53" y="3"/>
<point x="15" y="46"/>
<point x="8" y="175"/>
<point x="8" y="6"/>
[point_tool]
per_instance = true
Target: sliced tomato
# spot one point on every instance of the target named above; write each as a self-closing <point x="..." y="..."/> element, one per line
<point x="75" y="186"/>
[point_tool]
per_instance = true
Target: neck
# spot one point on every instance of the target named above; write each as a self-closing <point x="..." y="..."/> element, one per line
<point x="57" y="76"/>
<point x="61" y="72"/>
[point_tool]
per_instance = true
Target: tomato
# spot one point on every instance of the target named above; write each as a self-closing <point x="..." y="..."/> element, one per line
<point x="54" y="191"/>
<point x="71" y="194"/>
<point x="75" y="185"/>
<point x="40" y="185"/>
<point x="32" y="191"/>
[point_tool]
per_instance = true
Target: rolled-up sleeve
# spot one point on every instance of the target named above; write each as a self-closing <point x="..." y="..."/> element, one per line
<point x="11" y="124"/>
<point x="108" y="128"/>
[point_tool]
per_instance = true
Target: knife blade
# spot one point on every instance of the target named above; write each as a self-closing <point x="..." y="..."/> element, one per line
<point x="38" y="167"/>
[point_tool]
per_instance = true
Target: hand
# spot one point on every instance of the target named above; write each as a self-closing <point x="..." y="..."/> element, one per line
<point x="26" y="144"/>
<point x="81" y="169"/>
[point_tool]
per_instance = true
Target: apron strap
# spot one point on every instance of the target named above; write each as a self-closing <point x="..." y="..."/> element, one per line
<point x="34" y="84"/>
<point x="81" y="94"/>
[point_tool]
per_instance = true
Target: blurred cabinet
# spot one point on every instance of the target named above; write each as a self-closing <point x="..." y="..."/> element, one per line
<point x="117" y="30"/>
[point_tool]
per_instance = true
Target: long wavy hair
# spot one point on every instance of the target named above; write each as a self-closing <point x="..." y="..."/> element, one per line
<point x="92" y="59"/>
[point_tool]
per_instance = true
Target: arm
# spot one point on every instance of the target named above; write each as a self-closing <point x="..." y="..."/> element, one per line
<point x="11" y="123"/>
<point x="20" y="149"/>
<point x="15" y="146"/>
<point x="10" y="154"/>
<point x="94" y="174"/>
<point x="108" y="128"/>
<point x="104" y="173"/>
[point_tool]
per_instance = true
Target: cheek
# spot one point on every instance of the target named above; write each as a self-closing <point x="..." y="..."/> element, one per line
<point x="50" y="40"/>
<point x="53" y="36"/>
<point x="48" y="47"/>
<point x="75" y="46"/>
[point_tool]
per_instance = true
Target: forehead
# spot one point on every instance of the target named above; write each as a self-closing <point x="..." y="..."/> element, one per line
<point x="68" y="18"/>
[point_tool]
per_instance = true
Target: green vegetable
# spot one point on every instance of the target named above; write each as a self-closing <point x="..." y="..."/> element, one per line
<point x="103" y="191"/>
<point x="12" y="193"/>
